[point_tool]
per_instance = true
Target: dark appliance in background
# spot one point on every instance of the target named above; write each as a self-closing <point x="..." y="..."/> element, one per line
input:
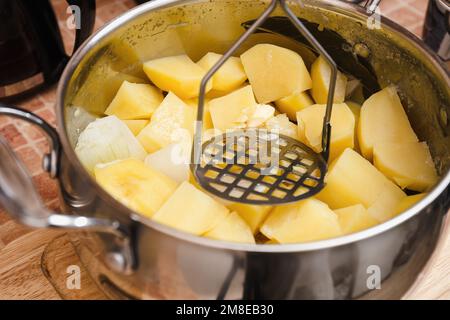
<point x="32" y="52"/>
<point x="436" y="33"/>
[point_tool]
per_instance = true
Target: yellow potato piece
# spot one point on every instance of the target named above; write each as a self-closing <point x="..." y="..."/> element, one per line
<point x="233" y="228"/>
<point x="408" y="202"/>
<point x="135" y="101"/>
<point x="254" y="215"/>
<point x="356" y="110"/>
<point x="136" y="126"/>
<point x="275" y="72"/>
<point x="134" y="184"/>
<point x="207" y="120"/>
<point x="173" y="121"/>
<point x="408" y="164"/>
<point x="191" y="210"/>
<point x="382" y="120"/>
<point x="321" y="75"/>
<point x="354" y="218"/>
<point x="293" y="103"/>
<point x="100" y="88"/>
<point x="310" y="123"/>
<point x="384" y="206"/>
<point x="307" y="220"/>
<point x="226" y="110"/>
<point x="229" y="77"/>
<point x="353" y="180"/>
<point x="178" y="74"/>
<point x="282" y="124"/>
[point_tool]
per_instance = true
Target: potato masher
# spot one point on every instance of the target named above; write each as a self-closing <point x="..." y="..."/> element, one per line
<point x="255" y="166"/>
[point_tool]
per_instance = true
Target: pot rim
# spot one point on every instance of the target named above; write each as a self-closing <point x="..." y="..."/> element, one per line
<point x="333" y="5"/>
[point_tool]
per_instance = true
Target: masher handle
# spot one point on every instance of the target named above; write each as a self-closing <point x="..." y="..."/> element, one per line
<point x="326" y="131"/>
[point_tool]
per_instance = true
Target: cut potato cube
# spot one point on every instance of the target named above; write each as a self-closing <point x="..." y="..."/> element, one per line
<point x="293" y="103"/>
<point x="255" y="116"/>
<point x="178" y="74"/>
<point x="307" y="220"/>
<point x="310" y="123"/>
<point x="352" y="180"/>
<point x="321" y="75"/>
<point x="135" y="185"/>
<point x="172" y="160"/>
<point x="105" y="140"/>
<point x="282" y="125"/>
<point x="207" y="121"/>
<point x="254" y="215"/>
<point x="382" y="120"/>
<point x="356" y="110"/>
<point x="408" y="202"/>
<point x="136" y="126"/>
<point x="233" y="228"/>
<point x="172" y="121"/>
<point x="408" y="164"/>
<point x="229" y="77"/>
<point x="100" y="87"/>
<point x="135" y="101"/>
<point x="355" y="218"/>
<point x="191" y="210"/>
<point x="225" y="111"/>
<point x="385" y="204"/>
<point x="275" y="72"/>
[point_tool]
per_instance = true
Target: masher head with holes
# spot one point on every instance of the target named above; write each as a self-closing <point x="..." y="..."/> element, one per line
<point x="257" y="166"/>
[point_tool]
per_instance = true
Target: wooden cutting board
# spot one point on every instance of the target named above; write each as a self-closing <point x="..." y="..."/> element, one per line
<point x="25" y="275"/>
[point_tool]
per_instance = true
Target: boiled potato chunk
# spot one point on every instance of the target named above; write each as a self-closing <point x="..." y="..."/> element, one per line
<point x="293" y="103"/>
<point x="172" y="160"/>
<point x="178" y="74"/>
<point x="408" y="202"/>
<point x="255" y="116"/>
<point x="134" y="184"/>
<point x="382" y="120"/>
<point x="310" y="123"/>
<point x="207" y="121"/>
<point x="275" y="72"/>
<point x="307" y="220"/>
<point x="321" y="75"/>
<point x="254" y="215"/>
<point x="100" y="88"/>
<point x="408" y="164"/>
<point x="136" y="126"/>
<point x="233" y="228"/>
<point x="105" y="140"/>
<point x="353" y="180"/>
<point x="226" y="111"/>
<point x="282" y="125"/>
<point x="171" y="122"/>
<point x="135" y="101"/>
<point x="356" y="110"/>
<point x="229" y="77"/>
<point x="191" y="210"/>
<point x="354" y="218"/>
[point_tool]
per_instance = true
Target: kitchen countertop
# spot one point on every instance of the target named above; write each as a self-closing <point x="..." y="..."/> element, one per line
<point x="21" y="248"/>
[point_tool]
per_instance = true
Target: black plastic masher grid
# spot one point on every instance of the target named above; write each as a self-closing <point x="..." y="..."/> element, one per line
<point x="289" y="186"/>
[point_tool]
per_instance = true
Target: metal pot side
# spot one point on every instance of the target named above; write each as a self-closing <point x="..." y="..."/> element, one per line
<point x="172" y="264"/>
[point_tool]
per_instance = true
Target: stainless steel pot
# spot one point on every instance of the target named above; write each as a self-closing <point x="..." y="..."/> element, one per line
<point x="144" y="259"/>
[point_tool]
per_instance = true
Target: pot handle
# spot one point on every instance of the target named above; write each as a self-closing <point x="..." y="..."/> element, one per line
<point x="21" y="200"/>
<point x="370" y="5"/>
